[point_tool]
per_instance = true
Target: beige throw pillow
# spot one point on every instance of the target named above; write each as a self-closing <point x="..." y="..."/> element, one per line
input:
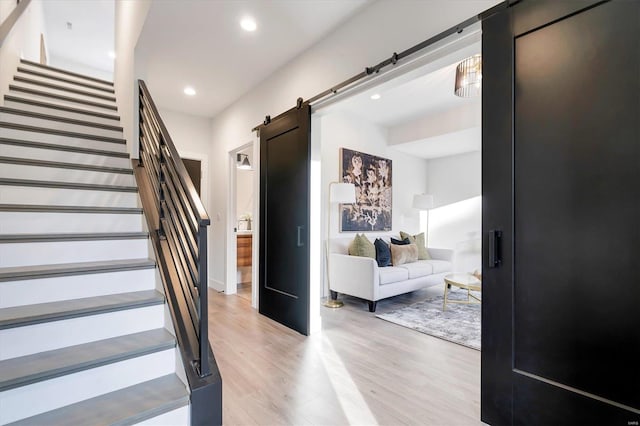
<point x="403" y="254"/>
<point x="361" y="246"/>
<point x="419" y="240"/>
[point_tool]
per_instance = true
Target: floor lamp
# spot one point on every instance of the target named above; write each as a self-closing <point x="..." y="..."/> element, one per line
<point x="424" y="202"/>
<point x="339" y="193"/>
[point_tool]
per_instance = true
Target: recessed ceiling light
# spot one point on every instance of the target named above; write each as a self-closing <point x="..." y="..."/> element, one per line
<point x="248" y="24"/>
<point x="112" y="54"/>
<point x="376" y="96"/>
<point x="189" y="91"/>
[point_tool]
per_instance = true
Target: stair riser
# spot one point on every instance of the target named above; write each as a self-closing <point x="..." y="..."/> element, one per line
<point x="54" y="73"/>
<point x="61" y="140"/>
<point x="61" y="113"/>
<point x="54" y="80"/>
<point x="43" y="290"/>
<point x="72" y="104"/>
<point x="58" y="125"/>
<point x="67" y="93"/>
<point x="20" y="341"/>
<point x="180" y="416"/>
<point x="48" y="395"/>
<point x="19" y="222"/>
<point x="66" y="197"/>
<point x="23" y="254"/>
<point x="17" y="151"/>
<point x="53" y="174"/>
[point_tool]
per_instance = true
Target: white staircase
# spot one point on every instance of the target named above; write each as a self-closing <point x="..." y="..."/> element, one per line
<point x="84" y="334"/>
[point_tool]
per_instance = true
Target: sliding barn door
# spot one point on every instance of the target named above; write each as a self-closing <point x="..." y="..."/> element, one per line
<point x="561" y="194"/>
<point x="285" y="147"/>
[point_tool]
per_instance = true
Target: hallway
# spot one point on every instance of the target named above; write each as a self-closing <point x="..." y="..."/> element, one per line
<point x="359" y="370"/>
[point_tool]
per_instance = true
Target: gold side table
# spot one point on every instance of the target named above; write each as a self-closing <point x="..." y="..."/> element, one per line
<point x="464" y="281"/>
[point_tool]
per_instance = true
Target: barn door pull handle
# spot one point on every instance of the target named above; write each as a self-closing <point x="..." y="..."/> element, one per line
<point x="300" y="243"/>
<point x="494" y="248"/>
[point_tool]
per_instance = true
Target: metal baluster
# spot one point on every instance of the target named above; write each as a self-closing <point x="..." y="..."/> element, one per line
<point x="203" y="308"/>
<point x="161" y="178"/>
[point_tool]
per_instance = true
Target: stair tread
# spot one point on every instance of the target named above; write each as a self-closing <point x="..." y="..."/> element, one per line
<point x="63" y="269"/>
<point x="53" y="86"/>
<point x="72" y="236"/>
<point x="68" y="209"/>
<point x="63" y="71"/>
<point x="63" y="165"/>
<point x="25" y="370"/>
<point x="68" y="148"/>
<point x="68" y="185"/>
<point x="125" y="406"/>
<point x="65" y="80"/>
<point x="11" y="98"/>
<point x="53" y="311"/>
<point x="40" y="115"/>
<point x="61" y="97"/>
<point x="38" y="129"/>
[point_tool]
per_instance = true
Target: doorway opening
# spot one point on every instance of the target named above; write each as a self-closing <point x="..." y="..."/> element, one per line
<point x="243" y="197"/>
<point x="194" y="169"/>
<point x="410" y="146"/>
<point x="244" y="218"/>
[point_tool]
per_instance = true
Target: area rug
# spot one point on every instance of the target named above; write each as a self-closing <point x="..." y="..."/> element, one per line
<point x="458" y="324"/>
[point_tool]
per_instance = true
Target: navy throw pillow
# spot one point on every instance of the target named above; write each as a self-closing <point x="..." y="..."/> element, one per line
<point x="400" y="242"/>
<point x="383" y="253"/>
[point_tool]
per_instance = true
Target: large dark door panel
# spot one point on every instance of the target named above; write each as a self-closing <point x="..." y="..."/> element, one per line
<point x="284" y="218"/>
<point x="561" y="179"/>
<point x="496" y="371"/>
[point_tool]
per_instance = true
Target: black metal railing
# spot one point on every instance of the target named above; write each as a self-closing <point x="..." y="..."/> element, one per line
<point x="181" y="222"/>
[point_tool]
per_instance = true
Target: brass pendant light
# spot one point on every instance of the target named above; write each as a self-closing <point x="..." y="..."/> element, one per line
<point x="469" y="77"/>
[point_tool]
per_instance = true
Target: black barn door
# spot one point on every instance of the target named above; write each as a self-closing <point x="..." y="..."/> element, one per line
<point x="561" y="181"/>
<point x="285" y="155"/>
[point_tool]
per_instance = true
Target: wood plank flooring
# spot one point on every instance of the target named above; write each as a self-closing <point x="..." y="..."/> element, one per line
<point x="358" y="370"/>
<point x="244" y="291"/>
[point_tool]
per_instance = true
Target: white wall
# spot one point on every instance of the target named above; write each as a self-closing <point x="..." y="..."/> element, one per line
<point x="409" y="173"/>
<point x="455" y="178"/>
<point x="456" y="220"/>
<point x="368" y="38"/>
<point x="191" y="135"/>
<point x="130" y="18"/>
<point x="22" y="42"/>
<point x="244" y="192"/>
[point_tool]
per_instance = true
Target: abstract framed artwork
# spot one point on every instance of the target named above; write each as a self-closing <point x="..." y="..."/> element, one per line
<point x="371" y="176"/>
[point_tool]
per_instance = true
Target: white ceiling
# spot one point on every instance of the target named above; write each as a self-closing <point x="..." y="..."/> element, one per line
<point x="405" y="101"/>
<point x="430" y="92"/>
<point x="206" y="48"/>
<point x="92" y="35"/>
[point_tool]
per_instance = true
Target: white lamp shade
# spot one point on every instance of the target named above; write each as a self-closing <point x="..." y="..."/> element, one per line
<point x="423" y="201"/>
<point x="344" y="193"/>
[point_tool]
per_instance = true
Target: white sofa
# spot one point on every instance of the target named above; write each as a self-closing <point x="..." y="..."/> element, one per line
<point x="361" y="277"/>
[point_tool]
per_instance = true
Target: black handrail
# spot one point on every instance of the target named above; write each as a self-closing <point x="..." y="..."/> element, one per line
<point x="182" y="220"/>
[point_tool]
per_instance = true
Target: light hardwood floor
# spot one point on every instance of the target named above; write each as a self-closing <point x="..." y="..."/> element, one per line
<point x="244" y="291"/>
<point x="358" y="370"/>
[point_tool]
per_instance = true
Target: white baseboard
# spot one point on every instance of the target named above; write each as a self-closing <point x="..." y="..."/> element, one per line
<point x="216" y="285"/>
